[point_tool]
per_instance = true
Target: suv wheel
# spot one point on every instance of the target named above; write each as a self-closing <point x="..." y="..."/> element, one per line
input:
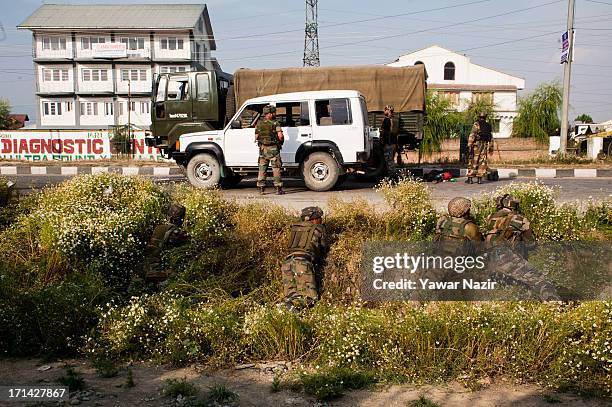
<point x="320" y="171"/>
<point x="203" y="171"/>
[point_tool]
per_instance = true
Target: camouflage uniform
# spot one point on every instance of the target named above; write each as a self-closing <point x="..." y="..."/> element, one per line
<point x="479" y="144"/>
<point x="6" y="191"/>
<point x="389" y="132"/>
<point x="269" y="149"/>
<point x="457" y="225"/>
<point x="506" y="228"/>
<point x="306" y="249"/>
<point x="164" y="236"/>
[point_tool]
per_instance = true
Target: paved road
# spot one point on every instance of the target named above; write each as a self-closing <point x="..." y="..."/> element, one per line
<point x="571" y="189"/>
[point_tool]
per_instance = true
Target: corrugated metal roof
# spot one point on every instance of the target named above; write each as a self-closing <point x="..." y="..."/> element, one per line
<point x="113" y="16"/>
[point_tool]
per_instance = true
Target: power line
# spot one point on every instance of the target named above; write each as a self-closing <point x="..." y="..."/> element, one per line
<point x="600" y="2"/>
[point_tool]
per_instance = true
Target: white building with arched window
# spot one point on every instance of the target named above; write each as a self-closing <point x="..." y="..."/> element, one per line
<point x="455" y="77"/>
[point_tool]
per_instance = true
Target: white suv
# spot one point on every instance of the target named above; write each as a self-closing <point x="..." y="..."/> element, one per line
<point x="327" y="135"/>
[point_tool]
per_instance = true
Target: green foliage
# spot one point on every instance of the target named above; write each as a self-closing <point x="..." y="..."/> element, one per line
<point x="422" y="401"/>
<point x="441" y="122"/>
<point x="129" y="380"/>
<point x="105" y="368"/>
<point x="96" y="222"/>
<point x="73" y="380"/>
<point x="176" y="387"/>
<point x="584" y="118"/>
<point x="51" y="319"/>
<point x="219" y="394"/>
<point x="475" y="107"/>
<point x="122" y="140"/>
<point x="538" y="113"/>
<point x="331" y="383"/>
<point x="5" y="110"/>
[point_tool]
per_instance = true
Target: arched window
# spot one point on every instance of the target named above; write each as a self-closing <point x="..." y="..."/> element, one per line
<point x="418" y="63"/>
<point x="449" y="71"/>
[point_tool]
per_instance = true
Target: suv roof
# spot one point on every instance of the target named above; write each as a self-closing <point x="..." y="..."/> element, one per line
<point x="316" y="94"/>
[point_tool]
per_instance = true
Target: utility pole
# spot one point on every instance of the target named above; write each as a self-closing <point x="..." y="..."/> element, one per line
<point x="311" y="35"/>
<point x="129" y="124"/>
<point x="567" y="73"/>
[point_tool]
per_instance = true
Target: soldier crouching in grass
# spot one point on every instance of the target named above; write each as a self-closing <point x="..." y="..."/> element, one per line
<point x="165" y="236"/>
<point x="507" y="233"/>
<point x="307" y="247"/>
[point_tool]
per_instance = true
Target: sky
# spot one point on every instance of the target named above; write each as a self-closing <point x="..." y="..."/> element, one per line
<point x="521" y="38"/>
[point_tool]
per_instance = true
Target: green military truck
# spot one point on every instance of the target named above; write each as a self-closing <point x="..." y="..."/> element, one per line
<point x="192" y="102"/>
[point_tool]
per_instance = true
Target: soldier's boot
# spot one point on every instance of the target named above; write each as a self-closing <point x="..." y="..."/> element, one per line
<point x="262" y="190"/>
<point x="279" y="191"/>
<point x="469" y="180"/>
<point x="479" y="180"/>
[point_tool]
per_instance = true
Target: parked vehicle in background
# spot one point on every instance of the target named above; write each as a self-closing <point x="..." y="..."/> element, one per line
<point x="327" y="136"/>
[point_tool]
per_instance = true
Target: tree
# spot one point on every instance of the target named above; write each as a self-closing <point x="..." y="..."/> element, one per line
<point x="441" y="122"/>
<point x="5" y="110"/>
<point x="538" y="113"/>
<point x="584" y="118"/>
<point x="475" y="107"/>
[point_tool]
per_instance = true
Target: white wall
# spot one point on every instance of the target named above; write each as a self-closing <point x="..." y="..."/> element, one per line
<point x="88" y="53"/>
<point x="91" y="85"/>
<point x="160" y="53"/>
<point x="97" y="116"/>
<point x="53" y="85"/>
<point x="137" y="85"/>
<point x="140" y="116"/>
<point x="50" y="53"/>
<point x="67" y="118"/>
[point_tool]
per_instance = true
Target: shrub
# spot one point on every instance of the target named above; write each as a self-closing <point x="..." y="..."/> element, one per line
<point x="220" y="394"/>
<point x="176" y="387"/>
<point x="89" y="222"/>
<point x="331" y="383"/>
<point x="51" y="319"/>
<point x="73" y="380"/>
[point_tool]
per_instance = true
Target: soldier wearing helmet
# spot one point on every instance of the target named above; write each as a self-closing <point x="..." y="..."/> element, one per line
<point x="507" y="236"/>
<point x="507" y="224"/>
<point x="164" y="236"/>
<point x="479" y="146"/>
<point x="307" y="247"/>
<point x="389" y="131"/>
<point x="458" y="224"/>
<point x="269" y="137"/>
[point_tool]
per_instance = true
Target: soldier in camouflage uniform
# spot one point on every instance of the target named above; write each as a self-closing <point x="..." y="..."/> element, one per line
<point x="164" y="236"/>
<point x="307" y="248"/>
<point x="389" y="131"/>
<point x="506" y="236"/>
<point x="458" y="224"/>
<point x="269" y="137"/>
<point x="479" y="146"/>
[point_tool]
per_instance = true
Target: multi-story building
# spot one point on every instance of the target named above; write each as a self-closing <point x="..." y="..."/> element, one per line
<point x="455" y="77"/>
<point x="96" y="63"/>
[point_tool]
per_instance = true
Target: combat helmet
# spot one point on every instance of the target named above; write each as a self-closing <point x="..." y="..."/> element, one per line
<point x="389" y="108"/>
<point x="176" y="214"/>
<point x="311" y="213"/>
<point x="269" y="109"/>
<point x="507" y="201"/>
<point x="458" y="207"/>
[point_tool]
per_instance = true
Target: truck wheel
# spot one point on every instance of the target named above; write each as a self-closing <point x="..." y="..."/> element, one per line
<point x="203" y="171"/>
<point x="320" y="171"/>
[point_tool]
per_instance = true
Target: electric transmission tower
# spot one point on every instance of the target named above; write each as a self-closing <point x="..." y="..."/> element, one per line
<point x="311" y="35"/>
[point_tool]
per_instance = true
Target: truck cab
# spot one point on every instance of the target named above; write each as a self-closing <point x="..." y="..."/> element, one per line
<point x="327" y="135"/>
<point x="186" y="102"/>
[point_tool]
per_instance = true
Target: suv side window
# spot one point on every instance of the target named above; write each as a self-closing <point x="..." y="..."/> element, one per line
<point x="250" y="115"/>
<point x="293" y="114"/>
<point x="333" y="112"/>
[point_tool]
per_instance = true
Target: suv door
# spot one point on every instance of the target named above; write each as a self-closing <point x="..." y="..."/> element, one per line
<point x="338" y="121"/>
<point x="239" y="145"/>
<point x="294" y="118"/>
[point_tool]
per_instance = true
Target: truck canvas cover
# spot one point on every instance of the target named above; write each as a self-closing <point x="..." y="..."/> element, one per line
<point x="402" y="87"/>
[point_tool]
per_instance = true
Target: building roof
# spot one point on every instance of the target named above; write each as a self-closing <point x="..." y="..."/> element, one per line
<point x="476" y="88"/>
<point x="22" y="118"/>
<point x="118" y="16"/>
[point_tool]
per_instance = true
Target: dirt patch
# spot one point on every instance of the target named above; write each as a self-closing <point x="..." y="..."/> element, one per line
<point x="253" y="384"/>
